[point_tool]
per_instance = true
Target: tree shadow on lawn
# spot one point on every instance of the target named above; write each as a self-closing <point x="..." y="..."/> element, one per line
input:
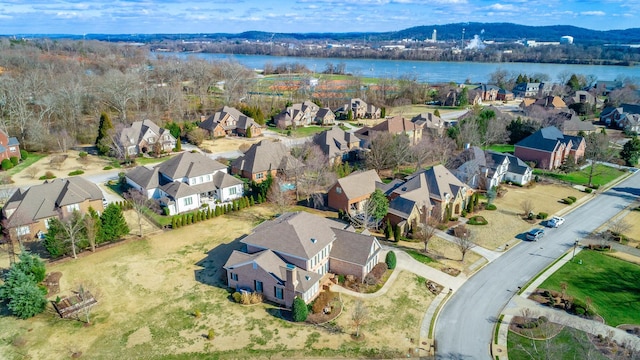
<point x="212" y="272"/>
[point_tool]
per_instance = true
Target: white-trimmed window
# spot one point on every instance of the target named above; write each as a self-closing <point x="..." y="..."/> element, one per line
<point x="73" y="207"/>
<point x="278" y="293"/>
<point x="23" y="230"/>
<point x="338" y="190"/>
<point x="188" y="201"/>
<point x="234" y="276"/>
<point x="259" y="175"/>
<point x="232" y="191"/>
<point x="12" y="149"/>
<point x="258" y="286"/>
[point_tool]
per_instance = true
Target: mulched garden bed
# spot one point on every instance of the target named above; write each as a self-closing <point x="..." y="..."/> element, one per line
<point x="534" y="328"/>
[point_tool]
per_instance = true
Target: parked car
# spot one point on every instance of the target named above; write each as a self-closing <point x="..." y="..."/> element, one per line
<point x="535" y="234"/>
<point x="555" y="221"/>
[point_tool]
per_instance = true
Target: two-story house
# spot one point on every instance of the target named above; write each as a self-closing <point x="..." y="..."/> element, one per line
<point x="299" y="114"/>
<point x="396" y="125"/>
<point x="430" y="123"/>
<point x="9" y="146"/>
<point x="532" y="90"/>
<point x="359" y="110"/>
<point x="337" y="144"/>
<point x="146" y="137"/>
<point x="351" y="192"/>
<point x="288" y="257"/>
<point x="186" y="181"/>
<point x="230" y="121"/>
<point x="548" y="148"/>
<point x="266" y="158"/>
<point x="27" y="212"/>
<point x="485" y="169"/>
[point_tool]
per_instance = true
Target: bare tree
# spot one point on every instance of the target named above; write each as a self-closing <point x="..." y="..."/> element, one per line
<point x="420" y="152"/>
<point x="72" y="228"/>
<point x="400" y="151"/>
<point x="497" y="132"/>
<point x="140" y="204"/>
<point x="470" y="132"/>
<point x="359" y="316"/>
<point x="281" y="199"/>
<point x="371" y="213"/>
<point x="380" y="155"/>
<point x="88" y="299"/>
<point x="527" y="207"/>
<point x="91" y="227"/>
<point x="316" y="175"/>
<point x="597" y="149"/>
<point x="119" y="90"/>
<point x="442" y="148"/>
<point x="463" y="240"/>
<point x="427" y="231"/>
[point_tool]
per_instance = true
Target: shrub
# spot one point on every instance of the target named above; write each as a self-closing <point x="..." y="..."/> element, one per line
<point x="568" y="201"/>
<point x="397" y="232"/>
<point x="477" y="220"/>
<point x="14" y="160"/>
<point x="463" y="213"/>
<point x="76" y="172"/>
<point x="542" y="215"/>
<point x="24" y="154"/>
<point x="107" y="167"/>
<point x="6" y="164"/>
<point x="237" y="296"/>
<point x="245" y="298"/>
<point x="490" y="207"/>
<point x="572" y="198"/>
<point x="391" y="260"/>
<point x="210" y="334"/>
<point x="588" y="190"/>
<point x="340" y="279"/>
<point x="255" y="298"/>
<point x="48" y="175"/>
<point x="299" y="310"/>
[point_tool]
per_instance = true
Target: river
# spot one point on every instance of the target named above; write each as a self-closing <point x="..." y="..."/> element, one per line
<point x="427" y="71"/>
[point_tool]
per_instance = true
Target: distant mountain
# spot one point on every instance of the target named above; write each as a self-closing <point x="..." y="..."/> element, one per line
<point x="449" y="32"/>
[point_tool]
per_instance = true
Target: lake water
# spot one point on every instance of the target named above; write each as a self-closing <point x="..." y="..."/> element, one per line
<point x="427" y="71"/>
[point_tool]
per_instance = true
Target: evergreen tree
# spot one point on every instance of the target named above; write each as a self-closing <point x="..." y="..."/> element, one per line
<point x="252" y="202"/>
<point x="396" y="233"/>
<point x="299" y="310"/>
<point x="174" y="223"/>
<point x="20" y="289"/>
<point x="391" y="260"/>
<point x="388" y="230"/>
<point x="28" y="300"/>
<point x="631" y="151"/>
<point x="32" y="266"/>
<point x="178" y="145"/>
<point x="53" y="242"/>
<point x="114" y="225"/>
<point x="102" y="140"/>
<point x="248" y="134"/>
<point x="436" y="113"/>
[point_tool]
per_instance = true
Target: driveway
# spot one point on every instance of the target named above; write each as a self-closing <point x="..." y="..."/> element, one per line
<point x="464" y="329"/>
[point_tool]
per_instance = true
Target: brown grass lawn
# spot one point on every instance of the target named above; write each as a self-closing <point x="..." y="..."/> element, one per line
<point x="633" y="219"/>
<point x="446" y="254"/>
<point x="229" y="144"/>
<point x="506" y="222"/>
<point x="149" y="289"/>
<point x="410" y="111"/>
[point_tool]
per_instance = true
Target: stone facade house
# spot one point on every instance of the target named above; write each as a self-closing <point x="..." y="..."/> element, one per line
<point x="338" y="145"/>
<point x="430" y="123"/>
<point x="351" y="192"/>
<point x="359" y="110"/>
<point x="263" y="159"/>
<point x="532" y="90"/>
<point x="27" y="212"/>
<point x="574" y="126"/>
<point x="185" y="182"/>
<point x="289" y="256"/>
<point x="505" y="95"/>
<point x="396" y="125"/>
<point x="300" y="114"/>
<point x="434" y="192"/>
<point x="230" y="121"/>
<point x="548" y="148"/>
<point x="325" y="116"/>
<point x="146" y="137"/>
<point x="9" y="146"/>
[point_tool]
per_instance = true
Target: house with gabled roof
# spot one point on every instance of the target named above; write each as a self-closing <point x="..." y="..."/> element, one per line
<point x="337" y="144"/>
<point x="325" y="116"/>
<point x="396" y="125"/>
<point x="288" y="257"/>
<point x="299" y="114"/>
<point x="266" y="158"/>
<point x="186" y="181"/>
<point x="359" y="110"/>
<point x="230" y="121"/>
<point x="434" y="192"/>
<point x="430" y="123"/>
<point x="27" y="212"/>
<point x="485" y="169"/>
<point x="548" y="148"/>
<point x="145" y="137"/>
<point x="9" y="146"/>
<point x="573" y="126"/>
<point x="351" y="192"/>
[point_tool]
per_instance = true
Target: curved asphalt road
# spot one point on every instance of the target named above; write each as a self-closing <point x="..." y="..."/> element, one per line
<point x="464" y="329"/>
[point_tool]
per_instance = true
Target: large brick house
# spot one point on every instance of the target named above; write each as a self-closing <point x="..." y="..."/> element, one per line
<point x="9" y="146"/>
<point x="485" y="169"/>
<point x="145" y="137"/>
<point x="263" y="159"/>
<point x="351" y="192"/>
<point x="27" y="212"/>
<point x="548" y="148"/>
<point x="396" y="125"/>
<point x="288" y="257"/>
<point x="230" y="121"/>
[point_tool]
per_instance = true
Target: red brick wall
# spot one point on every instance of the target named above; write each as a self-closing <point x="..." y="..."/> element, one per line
<point x="543" y="159"/>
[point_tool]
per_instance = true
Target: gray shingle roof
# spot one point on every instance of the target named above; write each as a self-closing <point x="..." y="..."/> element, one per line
<point x="223" y="180"/>
<point x="265" y="155"/>
<point x="189" y="165"/>
<point x="44" y="200"/>
<point x="352" y="247"/>
<point x="145" y="177"/>
<point x="359" y="183"/>
<point x="548" y="139"/>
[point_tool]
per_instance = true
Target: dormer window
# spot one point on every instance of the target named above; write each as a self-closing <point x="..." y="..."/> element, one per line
<point x="313" y="240"/>
<point x="338" y="190"/>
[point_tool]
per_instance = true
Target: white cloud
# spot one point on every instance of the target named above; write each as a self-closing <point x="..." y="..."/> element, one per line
<point x="593" y="13"/>
<point x="501" y="7"/>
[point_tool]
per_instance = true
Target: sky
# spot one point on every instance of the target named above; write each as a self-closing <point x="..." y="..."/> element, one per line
<point x="299" y="16"/>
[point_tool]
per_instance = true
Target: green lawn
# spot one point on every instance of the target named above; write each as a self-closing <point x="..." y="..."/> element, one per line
<point x="503" y="148"/>
<point x="601" y="175"/>
<point x="31" y="159"/>
<point x="611" y="283"/>
<point x="419" y="256"/>
<point x="569" y="344"/>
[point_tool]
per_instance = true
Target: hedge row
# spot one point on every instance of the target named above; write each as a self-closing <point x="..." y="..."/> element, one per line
<point x="208" y="213"/>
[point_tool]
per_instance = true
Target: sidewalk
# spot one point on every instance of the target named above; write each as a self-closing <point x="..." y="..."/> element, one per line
<point x="521" y="301"/>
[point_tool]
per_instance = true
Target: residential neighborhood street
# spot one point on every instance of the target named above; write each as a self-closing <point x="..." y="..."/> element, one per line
<point x="465" y="325"/>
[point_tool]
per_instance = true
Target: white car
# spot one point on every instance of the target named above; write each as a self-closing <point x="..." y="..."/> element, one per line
<point x="555" y="221"/>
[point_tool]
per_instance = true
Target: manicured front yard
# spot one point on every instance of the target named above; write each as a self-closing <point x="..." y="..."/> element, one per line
<point x="302" y="131"/>
<point x="612" y="284"/>
<point x="503" y="148"/>
<point x="601" y="175"/>
<point x="30" y="160"/>
<point x="570" y="344"/>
